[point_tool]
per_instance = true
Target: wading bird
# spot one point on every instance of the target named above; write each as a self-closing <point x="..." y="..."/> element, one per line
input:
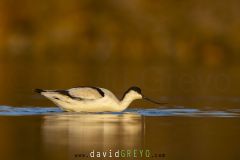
<point x="92" y="99"/>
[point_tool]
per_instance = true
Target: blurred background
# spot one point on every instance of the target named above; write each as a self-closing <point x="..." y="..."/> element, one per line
<point x="186" y="53"/>
<point x="183" y="52"/>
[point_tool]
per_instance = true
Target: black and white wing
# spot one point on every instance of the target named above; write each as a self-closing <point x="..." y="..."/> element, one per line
<point x="85" y="93"/>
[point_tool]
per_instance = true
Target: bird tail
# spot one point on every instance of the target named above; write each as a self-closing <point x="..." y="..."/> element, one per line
<point x="38" y="90"/>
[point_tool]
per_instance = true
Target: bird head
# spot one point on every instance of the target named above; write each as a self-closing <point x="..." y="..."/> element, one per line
<point x="136" y="93"/>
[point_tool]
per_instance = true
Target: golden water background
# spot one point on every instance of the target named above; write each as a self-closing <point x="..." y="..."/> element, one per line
<point x="182" y="52"/>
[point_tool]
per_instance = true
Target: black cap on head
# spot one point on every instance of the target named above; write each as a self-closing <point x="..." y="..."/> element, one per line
<point x="136" y="89"/>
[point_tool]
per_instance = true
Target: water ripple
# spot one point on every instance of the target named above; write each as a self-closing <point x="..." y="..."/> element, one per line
<point x="15" y="111"/>
<point x="158" y="112"/>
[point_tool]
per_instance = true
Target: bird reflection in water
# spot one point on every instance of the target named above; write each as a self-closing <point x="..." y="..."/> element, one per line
<point x="82" y="133"/>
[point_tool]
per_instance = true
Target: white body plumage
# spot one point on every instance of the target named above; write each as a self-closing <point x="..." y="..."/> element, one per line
<point x="91" y="99"/>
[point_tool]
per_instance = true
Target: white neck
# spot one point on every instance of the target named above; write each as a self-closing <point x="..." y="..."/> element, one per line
<point x="126" y="101"/>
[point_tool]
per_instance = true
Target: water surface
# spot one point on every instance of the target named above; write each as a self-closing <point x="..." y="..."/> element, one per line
<point x="178" y="133"/>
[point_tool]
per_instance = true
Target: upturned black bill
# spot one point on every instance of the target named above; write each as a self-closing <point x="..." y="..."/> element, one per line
<point x="153" y="101"/>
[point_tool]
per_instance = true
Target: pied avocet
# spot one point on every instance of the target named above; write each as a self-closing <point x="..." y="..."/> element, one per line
<point x="92" y="99"/>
